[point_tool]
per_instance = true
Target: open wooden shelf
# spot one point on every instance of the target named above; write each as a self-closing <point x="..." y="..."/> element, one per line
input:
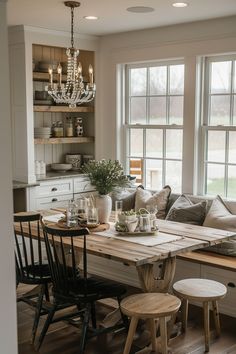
<point x="79" y="109"/>
<point x="44" y="76"/>
<point x="73" y="140"/>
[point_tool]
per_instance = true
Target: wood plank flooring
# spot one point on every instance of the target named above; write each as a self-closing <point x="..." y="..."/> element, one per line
<point x="63" y="338"/>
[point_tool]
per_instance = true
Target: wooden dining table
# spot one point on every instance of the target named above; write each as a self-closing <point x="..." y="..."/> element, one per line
<point x="145" y="258"/>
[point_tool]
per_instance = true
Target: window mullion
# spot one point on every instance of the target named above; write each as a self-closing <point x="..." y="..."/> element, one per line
<point x="164" y="158"/>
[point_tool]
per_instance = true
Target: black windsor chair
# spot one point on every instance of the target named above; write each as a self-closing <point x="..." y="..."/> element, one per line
<point x="72" y="285"/>
<point x="30" y="267"/>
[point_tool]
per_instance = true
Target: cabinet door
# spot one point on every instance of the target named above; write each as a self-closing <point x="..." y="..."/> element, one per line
<point x="53" y="202"/>
<point x="228" y="304"/>
<point x="82" y="184"/>
<point x="55" y="188"/>
<point x="185" y="269"/>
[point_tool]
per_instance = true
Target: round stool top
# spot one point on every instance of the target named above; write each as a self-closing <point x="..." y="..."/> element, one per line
<point x="199" y="289"/>
<point x="150" y="305"/>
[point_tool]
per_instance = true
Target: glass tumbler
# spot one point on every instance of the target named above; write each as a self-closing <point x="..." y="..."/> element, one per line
<point x="92" y="216"/>
<point x="118" y="208"/>
<point x="82" y="209"/>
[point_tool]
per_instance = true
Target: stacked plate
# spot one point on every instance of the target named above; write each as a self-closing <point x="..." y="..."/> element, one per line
<point x="42" y="132"/>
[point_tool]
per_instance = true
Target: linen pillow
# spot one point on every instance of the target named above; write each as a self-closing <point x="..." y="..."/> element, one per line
<point x="219" y="216"/>
<point x="158" y="200"/>
<point x="183" y="210"/>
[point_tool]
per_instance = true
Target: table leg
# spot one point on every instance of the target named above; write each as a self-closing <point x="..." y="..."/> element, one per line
<point x="148" y="281"/>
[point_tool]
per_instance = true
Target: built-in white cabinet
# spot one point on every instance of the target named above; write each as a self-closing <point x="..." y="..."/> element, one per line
<point x="186" y="269"/>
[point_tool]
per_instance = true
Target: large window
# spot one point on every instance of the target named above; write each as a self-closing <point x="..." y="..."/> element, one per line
<point x="154" y="123"/>
<point x="219" y="127"/>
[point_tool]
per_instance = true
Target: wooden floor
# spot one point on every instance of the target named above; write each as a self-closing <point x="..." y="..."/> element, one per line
<point x="64" y="339"/>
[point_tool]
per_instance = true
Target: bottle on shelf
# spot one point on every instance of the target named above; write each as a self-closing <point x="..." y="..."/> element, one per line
<point x="69" y="127"/>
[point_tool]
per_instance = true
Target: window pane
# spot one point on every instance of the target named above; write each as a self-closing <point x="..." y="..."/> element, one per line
<point x="174" y="140"/>
<point x="158" y="110"/>
<point x="234" y="110"/>
<point x="216" y="146"/>
<point x="136" y="170"/>
<point x="174" y="175"/>
<point x="138" y="82"/>
<point x="177" y="79"/>
<point x="220" y="110"/>
<point x="232" y="147"/>
<point x="220" y="77"/>
<point x="138" y="110"/>
<point x="154" y="174"/>
<point x="136" y="142"/>
<point x="231" y="182"/>
<point x="154" y="143"/>
<point x="176" y="110"/>
<point x="158" y="79"/>
<point x="215" y="179"/>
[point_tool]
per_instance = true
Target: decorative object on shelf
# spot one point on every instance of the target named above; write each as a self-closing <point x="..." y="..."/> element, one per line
<point x="58" y="130"/>
<point x="87" y="158"/>
<point x="79" y="130"/>
<point x="105" y="175"/>
<point x="40" y="168"/>
<point x="69" y="127"/>
<point x="75" y="160"/>
<point x="74" y="91"/>
<point x="61" y="167"/>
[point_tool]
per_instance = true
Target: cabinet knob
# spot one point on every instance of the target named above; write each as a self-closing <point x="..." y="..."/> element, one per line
<point x="54" y="199"/>
<point x="231" y="285"/>
<point x="54" y="189"/>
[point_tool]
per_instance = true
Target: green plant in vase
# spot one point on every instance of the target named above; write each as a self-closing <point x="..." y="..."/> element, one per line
<point x="105" y="175"/>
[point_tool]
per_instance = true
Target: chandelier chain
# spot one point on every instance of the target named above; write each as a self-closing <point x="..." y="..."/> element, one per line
<point x="72" y="27"/>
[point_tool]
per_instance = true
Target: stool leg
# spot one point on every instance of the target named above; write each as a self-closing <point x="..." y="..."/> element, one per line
<point x="132" y="329"/>
<point x="184" y="315"/>
<point x="152" y="326"/>
<point x="216" y="317"/>
<point x="163" y="332"/>
<point x="206" y="325"/>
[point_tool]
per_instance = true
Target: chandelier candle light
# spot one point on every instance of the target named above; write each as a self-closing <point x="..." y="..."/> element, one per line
<point x="74" y="91"/>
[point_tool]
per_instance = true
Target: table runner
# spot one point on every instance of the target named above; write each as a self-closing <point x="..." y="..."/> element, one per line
<point x="152" y="240"/>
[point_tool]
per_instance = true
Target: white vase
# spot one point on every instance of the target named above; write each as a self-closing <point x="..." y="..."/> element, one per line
<point x="103" y="204"/>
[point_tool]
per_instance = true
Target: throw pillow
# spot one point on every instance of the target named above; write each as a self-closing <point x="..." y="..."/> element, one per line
<point x="183" y="210"/>
<point x="157" y="200"/>
<point x="127" y="197"/>
<point x="219" y="216"/>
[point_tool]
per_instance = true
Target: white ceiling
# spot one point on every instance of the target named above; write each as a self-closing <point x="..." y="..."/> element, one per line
<point x="113" y="17"/>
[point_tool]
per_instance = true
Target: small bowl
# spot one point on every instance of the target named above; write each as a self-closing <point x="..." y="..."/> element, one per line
<point x="62" y="167"/>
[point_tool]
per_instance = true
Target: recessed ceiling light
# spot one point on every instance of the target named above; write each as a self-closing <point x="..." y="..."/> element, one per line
<point x="91" y="17"/>
<point x="179" y="4"/>
<point x="140" y="9"/>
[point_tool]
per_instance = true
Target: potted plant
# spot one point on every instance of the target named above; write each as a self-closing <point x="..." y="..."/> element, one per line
<point x="105" y="175"/>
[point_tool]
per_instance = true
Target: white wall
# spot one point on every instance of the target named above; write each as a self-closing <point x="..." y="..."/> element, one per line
<point x="187" y="41"/>
<point x="8" y="332"/>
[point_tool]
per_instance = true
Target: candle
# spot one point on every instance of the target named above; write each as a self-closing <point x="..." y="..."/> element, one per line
<point x="50" y="76"/>
<point x="59" y="71"/>
<point x="90" y="74"/>
<point x="80" y="69"/>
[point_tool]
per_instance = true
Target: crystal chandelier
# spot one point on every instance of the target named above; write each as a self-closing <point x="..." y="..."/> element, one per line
<point x="74" y="92"/>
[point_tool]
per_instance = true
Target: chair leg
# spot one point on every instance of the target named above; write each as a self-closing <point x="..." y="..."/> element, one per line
<point x="132" y="329"/>
<point x="84" y="329"/>
<point x="45" y="327"/>
<point x="123" y="316"/>
<point x="93" y="315"/>
<point x="152" y="327"/>
<point x="163" y="332"/>
<point x="184" y="315"/>
<point x="47" y="293"/>
<point x="216" y="317"/>
<point x="206" y="325"/>
<point x="38" y="309"/>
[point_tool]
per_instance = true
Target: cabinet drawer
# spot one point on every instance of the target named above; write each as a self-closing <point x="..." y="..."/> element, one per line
<point x="55" y="188"/>
<point x="60" y="201"/>
<point x="82" y="184"/>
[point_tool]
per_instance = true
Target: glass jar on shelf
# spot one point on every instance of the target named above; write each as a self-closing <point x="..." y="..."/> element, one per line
<point x="59" y="130"/>
<point x="69" y="127"/>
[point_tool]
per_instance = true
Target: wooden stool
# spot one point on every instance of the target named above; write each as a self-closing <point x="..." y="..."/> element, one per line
<point x="205" y="291"/>
<point x="149" y="306"/>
